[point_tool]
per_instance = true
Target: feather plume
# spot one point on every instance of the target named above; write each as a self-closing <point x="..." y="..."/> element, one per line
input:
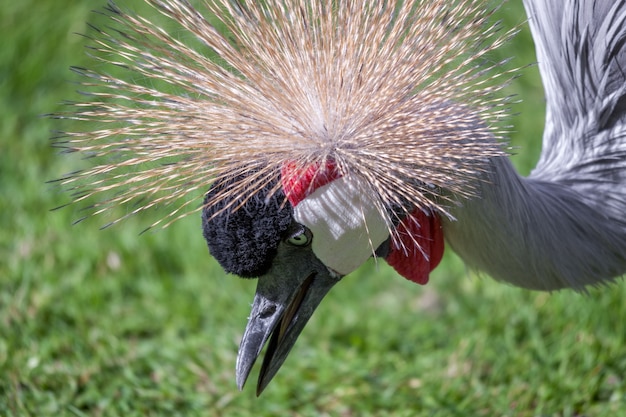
<point x="400" y="95"/>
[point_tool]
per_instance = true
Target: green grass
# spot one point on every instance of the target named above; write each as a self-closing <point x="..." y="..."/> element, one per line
<point x="110" y="323"/>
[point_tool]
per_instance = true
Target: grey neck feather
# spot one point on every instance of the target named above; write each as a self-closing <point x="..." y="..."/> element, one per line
<point x="539" y="234"/>
<point x="565" y="225"/>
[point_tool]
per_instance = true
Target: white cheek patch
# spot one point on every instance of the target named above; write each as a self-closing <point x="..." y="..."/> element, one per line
<point x="347" y="228"/>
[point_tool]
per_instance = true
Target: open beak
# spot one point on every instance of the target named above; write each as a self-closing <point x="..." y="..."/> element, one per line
<point x="285" y="300"/>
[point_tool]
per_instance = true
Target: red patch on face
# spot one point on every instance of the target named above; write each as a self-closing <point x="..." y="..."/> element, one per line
<point x="420" y="246"/>
<point x="299" y="182"/>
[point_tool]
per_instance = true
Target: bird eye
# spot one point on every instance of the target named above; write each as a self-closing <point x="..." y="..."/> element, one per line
<point x="302" y="238"/>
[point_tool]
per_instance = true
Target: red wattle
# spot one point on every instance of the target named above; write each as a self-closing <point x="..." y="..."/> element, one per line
<point x="419" y="247"/>
<point x="299" y="182"/>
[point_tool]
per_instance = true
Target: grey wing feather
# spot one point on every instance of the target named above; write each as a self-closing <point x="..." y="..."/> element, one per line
<point x="581" y="49"/>
<point x="582" y="59"/>
<point x="565" y="225"/>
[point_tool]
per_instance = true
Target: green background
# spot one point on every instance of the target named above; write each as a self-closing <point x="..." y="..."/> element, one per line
<point x="110" y="323"/>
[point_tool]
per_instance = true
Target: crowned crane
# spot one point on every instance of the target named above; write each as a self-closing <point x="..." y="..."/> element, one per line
<point x="328" y="133"/>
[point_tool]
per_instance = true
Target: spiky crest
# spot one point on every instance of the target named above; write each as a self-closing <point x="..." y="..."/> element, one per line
<point x="399" y="94"/>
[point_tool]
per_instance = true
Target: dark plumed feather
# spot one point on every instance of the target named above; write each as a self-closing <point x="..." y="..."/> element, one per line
<point x="243" y="236"/>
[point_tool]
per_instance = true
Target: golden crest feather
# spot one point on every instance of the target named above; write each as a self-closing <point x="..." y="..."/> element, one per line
<point x="400" y="94"/>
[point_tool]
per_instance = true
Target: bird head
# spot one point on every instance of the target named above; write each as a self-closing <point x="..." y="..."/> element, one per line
<point x="299" y="237"/>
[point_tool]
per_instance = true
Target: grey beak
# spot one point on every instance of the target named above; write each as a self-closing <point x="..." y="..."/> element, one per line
<point x="285" y="300"/>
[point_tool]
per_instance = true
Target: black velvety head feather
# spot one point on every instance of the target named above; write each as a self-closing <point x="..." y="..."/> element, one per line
<point x="244" y="239"/>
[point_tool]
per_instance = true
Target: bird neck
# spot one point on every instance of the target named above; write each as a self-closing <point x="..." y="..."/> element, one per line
<point x="536" y="234"/>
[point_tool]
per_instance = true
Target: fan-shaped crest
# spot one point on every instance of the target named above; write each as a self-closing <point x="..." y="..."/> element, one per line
<point x="398" y="94"/>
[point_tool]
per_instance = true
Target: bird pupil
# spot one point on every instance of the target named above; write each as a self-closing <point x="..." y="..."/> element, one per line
<point x="301" y="239"/>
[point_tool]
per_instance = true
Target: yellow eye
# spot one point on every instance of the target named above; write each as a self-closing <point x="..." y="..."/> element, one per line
<point x="301" y="239"/>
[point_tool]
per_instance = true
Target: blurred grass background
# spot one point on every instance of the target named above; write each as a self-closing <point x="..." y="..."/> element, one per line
<point x="110" y="323"/>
